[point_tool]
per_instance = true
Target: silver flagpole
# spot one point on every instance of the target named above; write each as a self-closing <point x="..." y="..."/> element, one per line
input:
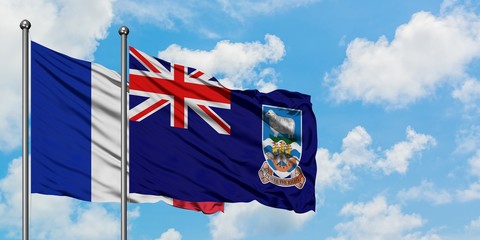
<point x="123" y="31"/>
<point x="25" y="26"/>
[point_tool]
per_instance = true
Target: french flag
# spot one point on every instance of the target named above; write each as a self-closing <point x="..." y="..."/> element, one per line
<point x="75" y="132"/>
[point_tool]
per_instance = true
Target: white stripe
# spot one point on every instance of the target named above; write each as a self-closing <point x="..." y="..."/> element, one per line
<point x="193" y="101"/>
<point x="106" y="139"/>
<point x="164" y="72"/>
<point x="209" y="120"/>
<point x="149" y="74"/>
<point x="105" y="135"/>
<point x="152" y="99"/>
<point x="194" y="105"/>
<point x="141" y="198"/>
<point x="204" y="79"/>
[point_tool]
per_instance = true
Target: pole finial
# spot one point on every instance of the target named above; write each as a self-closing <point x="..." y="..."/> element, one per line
<point x="123" y="30"/>
<point x="25" y="24"/>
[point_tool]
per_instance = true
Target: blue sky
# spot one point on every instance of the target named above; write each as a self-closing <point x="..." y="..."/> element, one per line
<point x="395" y="88"/>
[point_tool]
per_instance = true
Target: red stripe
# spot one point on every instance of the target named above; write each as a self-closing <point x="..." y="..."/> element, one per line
<point x="144" y="60"/>
<point x="148" y="110"/>
<point x="197" y="74"/>
<point x="215" y="118"/>
<point x="179" y="89"/>
<point x="179" y="97"/>
<point x="205" y="207"/>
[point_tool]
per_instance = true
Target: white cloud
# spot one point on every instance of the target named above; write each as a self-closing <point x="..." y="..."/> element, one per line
<point x="420" y="236"/>
<point x="398" y="157"/>
<point x="471" y="231"/>
<point x="377" y="220"/>
<point x="93" y="222"/>
<point x="238" y="63"/>
<point x="70" y="26"/>
<point x="161" y="12"/>
<point x="337" y="168"/>
<point x="332" y="171"/>
<point x="53" y="217"/>
<point x="241" y="220"/>
<point x="470" y="194"/>
<point x="425" y="191"/>
<point x="413" y="65"/>
<point x="448" y="5"/>
<point x="196" y="15"/>
<point x="73" y="27"/>
<point x="468" y="94"/>
<point x="468" y="140"/>
<point x="474" y="163"/>
<point x="11" y="196"/>
<point x="473" y="226"/>
<point x="355" y="151"/>
<point x="170" y="234"/>
<point x="268" y="80"/>
<point x="243" y="9"/>
<point x="134" y="213"/>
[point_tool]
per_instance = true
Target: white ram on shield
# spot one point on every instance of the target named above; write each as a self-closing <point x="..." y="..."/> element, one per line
<point x="279" y="124"/>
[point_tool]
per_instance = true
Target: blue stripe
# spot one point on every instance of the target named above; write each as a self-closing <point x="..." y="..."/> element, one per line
<point x="60" y="124"/>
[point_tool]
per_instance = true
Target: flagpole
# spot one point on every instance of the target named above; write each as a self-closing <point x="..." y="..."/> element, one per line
<point x="123" y="31"/>
<point x="25" y="26"/>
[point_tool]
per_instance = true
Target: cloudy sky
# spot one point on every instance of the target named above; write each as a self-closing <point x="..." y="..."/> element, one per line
<point x="395" y="87"/>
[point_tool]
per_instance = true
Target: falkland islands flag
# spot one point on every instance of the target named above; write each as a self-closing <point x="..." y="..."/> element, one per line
<point x="75" y="131"/>
<point x="193" y="139"/>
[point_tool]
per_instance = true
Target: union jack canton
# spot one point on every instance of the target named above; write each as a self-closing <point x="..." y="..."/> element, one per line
<point x="163" y="83"/>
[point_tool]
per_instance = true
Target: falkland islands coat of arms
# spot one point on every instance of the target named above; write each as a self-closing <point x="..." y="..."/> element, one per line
<point x="282" y="147"/>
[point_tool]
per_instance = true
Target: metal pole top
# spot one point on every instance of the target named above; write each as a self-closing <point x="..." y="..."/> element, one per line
<point x="26" y="24"/>
<point x="123" y="30"/>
